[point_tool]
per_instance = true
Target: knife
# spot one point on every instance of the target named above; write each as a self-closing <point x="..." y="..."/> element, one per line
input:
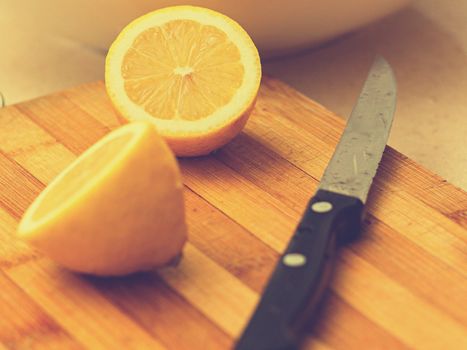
<point x="332" y="217"/>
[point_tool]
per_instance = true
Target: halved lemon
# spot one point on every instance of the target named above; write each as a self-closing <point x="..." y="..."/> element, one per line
<point x="193" y="72"/>
<point x="117" y="209"/>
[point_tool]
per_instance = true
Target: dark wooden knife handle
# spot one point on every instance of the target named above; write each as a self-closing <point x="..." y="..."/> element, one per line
<point x="302" y="273"/>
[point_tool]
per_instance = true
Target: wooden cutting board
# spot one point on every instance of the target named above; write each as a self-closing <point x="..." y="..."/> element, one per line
<point x="402" y="285"/>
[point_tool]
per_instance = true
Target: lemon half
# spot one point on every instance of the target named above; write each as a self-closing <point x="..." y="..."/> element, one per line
<point x="193" y="72"/>
<point x="117" y="209"/>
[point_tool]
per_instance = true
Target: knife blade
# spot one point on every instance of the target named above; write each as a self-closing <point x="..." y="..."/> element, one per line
<point x="332" y="217"/>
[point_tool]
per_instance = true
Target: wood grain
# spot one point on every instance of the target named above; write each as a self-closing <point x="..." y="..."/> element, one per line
<point x="79" y="308"/>
<point x="400" y="286"/>
<point x="27" y="325"/>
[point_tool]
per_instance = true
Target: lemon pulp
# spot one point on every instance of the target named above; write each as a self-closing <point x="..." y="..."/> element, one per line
<point x="182" y="70"/>
<point x="77" y="177"/>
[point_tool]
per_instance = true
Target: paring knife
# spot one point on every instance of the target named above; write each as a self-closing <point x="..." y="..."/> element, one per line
<point x="332" y="217"/>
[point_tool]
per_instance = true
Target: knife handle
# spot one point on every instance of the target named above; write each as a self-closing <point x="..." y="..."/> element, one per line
<point x="302" y="273"/>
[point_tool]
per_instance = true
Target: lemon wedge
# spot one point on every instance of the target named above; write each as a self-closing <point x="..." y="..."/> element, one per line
<point x="117" y="209"/>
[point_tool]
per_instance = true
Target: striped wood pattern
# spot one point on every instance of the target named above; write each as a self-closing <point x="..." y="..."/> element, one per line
<point x="402" y="285"/>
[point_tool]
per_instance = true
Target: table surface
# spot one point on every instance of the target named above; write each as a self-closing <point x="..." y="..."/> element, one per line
<point x="426" y="44"/>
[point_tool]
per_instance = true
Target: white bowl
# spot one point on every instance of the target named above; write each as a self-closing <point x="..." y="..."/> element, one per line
<point x="277" y="26"/>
